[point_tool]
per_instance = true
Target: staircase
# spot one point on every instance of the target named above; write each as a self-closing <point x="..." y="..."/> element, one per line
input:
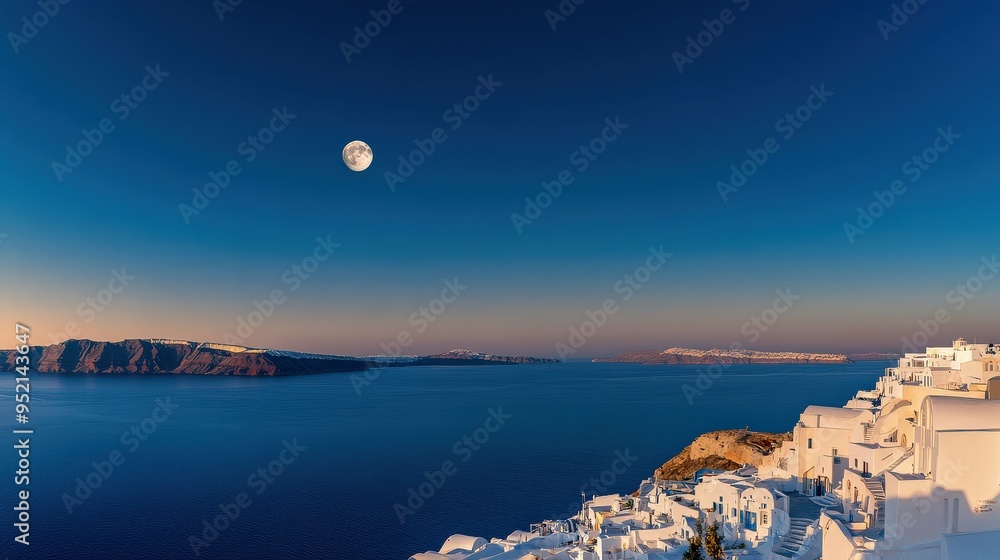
<point x="792" y="542"/>
<point x="869" y="432"/>
<point x="874" y="486"/>
<point x="897" y="462"/>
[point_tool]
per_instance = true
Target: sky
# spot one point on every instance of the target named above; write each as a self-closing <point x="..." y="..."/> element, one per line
<point x="114" y="225"/>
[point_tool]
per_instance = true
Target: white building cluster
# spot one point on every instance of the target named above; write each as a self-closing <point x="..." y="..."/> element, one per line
<point x="907" y="471"/>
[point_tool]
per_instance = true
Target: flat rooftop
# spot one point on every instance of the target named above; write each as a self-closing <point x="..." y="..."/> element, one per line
<point x="799" y="505"/>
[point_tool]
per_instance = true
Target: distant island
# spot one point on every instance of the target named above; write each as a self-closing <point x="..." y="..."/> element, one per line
<point x="875" y="356"/>
<point x="161" y="356"/>
<point x="717" y="356"/>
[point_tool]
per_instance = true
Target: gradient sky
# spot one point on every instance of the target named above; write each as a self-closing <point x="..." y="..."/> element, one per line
<point x="655" y="185"/>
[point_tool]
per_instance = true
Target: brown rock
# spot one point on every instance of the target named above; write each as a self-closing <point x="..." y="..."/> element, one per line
<point x="724" y="450"/>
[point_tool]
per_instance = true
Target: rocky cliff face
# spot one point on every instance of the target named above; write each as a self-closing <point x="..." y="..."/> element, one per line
<point x="726" y="450"/>
<point x="143" y="356"/>
<point x="153" y="357"/>
<point x="717" y="356"/>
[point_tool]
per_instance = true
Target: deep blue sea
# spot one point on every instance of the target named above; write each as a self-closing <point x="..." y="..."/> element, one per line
<point x="357" y="455"/>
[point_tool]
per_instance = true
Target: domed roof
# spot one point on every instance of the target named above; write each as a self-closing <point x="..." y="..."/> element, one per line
<point x="462" y="542"/>
<point x="834" y="417"/>
<point x="957" y="413"/>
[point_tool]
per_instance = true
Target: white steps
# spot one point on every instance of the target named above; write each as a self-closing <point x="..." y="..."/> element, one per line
<point x="869" y="433"/>
<point x="796" y="536"/>
<point x="874" y="486"/>
<point x="899" y="461"/>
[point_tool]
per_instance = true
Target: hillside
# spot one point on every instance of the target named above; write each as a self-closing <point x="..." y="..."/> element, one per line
<point x="725" y="450"/>
<point x="717" y="356"/>
<point x="157" y="356"/>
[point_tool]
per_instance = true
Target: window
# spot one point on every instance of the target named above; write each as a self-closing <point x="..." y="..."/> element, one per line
<point x="954" y="514"/>
<point x="809" y="444"/>
<point x="834" y="451"/>
<point x="855" y="462"/>
<point x="763" y="519"/>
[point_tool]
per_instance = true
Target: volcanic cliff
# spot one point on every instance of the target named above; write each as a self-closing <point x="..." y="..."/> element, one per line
<point x="724" y="450"/>
<point x="156" y="356"/>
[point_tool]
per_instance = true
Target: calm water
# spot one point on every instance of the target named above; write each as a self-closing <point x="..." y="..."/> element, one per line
<point x="364" y="452"/>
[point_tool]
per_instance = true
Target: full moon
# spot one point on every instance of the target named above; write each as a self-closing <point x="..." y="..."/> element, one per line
<point x="357" y="156"/>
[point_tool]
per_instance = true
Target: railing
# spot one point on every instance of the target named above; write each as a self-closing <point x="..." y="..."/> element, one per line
<point x="898" y="461"/>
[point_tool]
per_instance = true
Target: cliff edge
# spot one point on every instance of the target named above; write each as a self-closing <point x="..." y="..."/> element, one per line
<point x="724" y="450"/>
<point x="160" y="356"/>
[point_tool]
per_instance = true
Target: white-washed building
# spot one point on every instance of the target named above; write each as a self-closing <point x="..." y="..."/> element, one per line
<point x="907" y="471"/>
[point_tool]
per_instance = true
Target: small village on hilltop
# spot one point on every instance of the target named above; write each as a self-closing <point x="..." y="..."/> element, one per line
<point x="907" y="470"/>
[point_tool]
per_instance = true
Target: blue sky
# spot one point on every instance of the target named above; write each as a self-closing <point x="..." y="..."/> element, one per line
<point x="655" y="184"/>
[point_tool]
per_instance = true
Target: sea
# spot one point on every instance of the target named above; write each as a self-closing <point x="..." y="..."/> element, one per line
<point x="353" y="466"/>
